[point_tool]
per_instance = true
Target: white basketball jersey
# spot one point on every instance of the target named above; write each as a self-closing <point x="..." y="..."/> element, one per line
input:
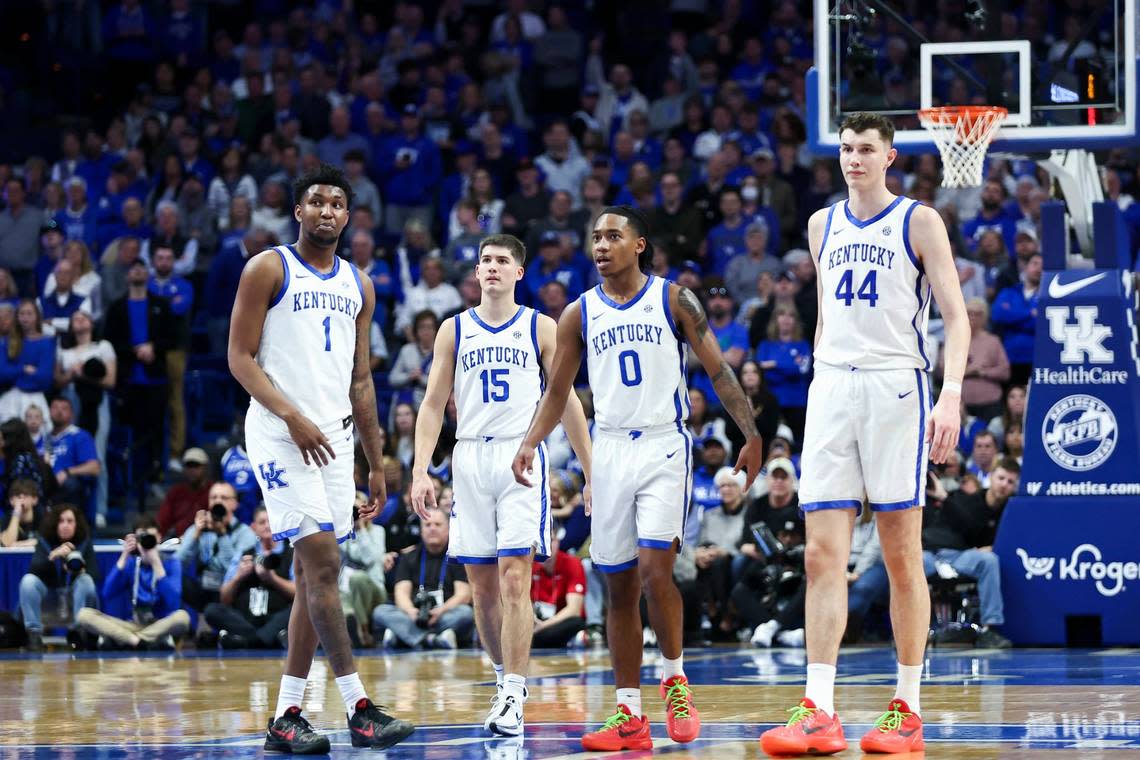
<point x="876" y="297"/>
<point x="498" y="375"/>
<point x="635" y="359"/>
<point x="308" y="342"/>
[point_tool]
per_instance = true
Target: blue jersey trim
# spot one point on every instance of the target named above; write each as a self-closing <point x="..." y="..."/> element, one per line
<point x="906" y="238"/>
<point x="519" y="552"/>
<point x="826" y="232"/>
<point x="611" y="569"/>
<point x="892" y="506"/>
<point x="317" y="272"/>
<point x="653" y="543"/>
<point x="284" y="282"/>
<point x="812" y="506"/>
<point x="537" y="350"/>
<point x="688" y="484"/>
<point x="861" y="224"/>
<point x="667" y="308"/>
<point x="918" y="484"/>
<point x="542" y="512"/>
<point x="623" y="306"/>
<point x="500" y="328"/>
<point x="359" y="282"/>
<point x="922" y="304"/>
<point x="346" y="536"/>
<point x="582" y="314"/>
<point x="473" y="560"/>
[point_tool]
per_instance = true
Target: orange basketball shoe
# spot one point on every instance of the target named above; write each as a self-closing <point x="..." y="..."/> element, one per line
<point x="682" y="720"/>
<point x="809" y="731"/>
<point x="620" y="731"/>
<point x="896" y="730"/>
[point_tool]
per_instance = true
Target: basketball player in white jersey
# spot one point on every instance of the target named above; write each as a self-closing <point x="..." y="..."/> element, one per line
<point x="632" y="329"/>
<point x="299" y="346"/>
<point x="496" y="357"/>
<point x="870" y="428"/>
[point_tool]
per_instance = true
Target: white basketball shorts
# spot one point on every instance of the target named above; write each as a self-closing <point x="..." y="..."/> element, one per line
<point x="492" y="515"/>
<point x="642" y="481"/>
<point x="293" y="490"/>
<point x="865" y="434"/>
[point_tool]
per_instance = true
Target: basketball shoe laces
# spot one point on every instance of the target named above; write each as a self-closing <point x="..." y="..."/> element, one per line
<point x="799" y="713"/>
<point x="616" y="720"/>
<point x="678" y="698"/>
<point x="891" y="720"/>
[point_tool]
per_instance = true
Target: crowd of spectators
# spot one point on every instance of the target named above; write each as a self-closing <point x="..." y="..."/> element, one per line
<point x="121" y="246"/>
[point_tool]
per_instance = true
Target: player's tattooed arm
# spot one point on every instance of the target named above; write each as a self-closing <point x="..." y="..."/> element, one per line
<point x="695" y="327"/>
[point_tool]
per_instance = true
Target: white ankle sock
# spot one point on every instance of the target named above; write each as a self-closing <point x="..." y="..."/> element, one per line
<point x="821" y="686"/>
<point x="498" y="674"/>
<point x="631" y="698"/>
<point x="514" y="685"/>
<point x="291" y="694"/>
<point x="351" y="691"/>
<point x="910" y="677"/>
<point x="672" y="667"/>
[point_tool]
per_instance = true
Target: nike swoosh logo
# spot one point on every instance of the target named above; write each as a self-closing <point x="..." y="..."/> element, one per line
<point x="469" y="337"/>
<point x="286" y="735"/>
<point x="837" y="231"/>
<point x="813" y="729"/>
<point x="369" y="733"/>
<point x="623" y="734"/>
<point x="1057" y="290"/>
<point x="904" y="395"/>
<point x="670" y="456"/>
<point x="301" y="276"/>
<point x="596" y="316"/>
<point x="908" y="733"/>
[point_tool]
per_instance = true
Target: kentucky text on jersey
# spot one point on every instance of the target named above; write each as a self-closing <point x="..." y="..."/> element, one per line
<point x="494" y="354"/>
<point x="865" y="252"/>
<point x="327" y="301"/>
<point x="618" y="334"/>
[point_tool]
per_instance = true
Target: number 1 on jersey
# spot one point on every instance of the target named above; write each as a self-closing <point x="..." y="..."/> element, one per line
<point x="868" y="290"/>
<point x="328" y="336"/>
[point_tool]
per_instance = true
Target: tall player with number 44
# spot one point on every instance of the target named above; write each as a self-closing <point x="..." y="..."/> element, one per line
<point x="870" y="427"/>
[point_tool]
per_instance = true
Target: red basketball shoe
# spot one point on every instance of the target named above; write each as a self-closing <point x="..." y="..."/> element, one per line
<point x="896" y="730"/>
<point x="809" y="731"/>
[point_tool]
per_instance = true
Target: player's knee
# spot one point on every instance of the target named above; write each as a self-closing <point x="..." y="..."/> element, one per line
<point x="514" y="581"/>
<point x="823" y="558"/>
<point x="321" y="575"/>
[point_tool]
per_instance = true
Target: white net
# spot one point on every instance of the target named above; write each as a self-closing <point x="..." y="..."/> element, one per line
<point x="962" y="135"/>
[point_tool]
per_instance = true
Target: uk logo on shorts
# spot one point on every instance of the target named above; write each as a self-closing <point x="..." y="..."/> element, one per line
<point x="1079" y="432"/>
<point x="273" y="477"/>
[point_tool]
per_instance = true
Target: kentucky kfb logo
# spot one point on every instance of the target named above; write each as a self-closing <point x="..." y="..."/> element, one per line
<point x="1079" y="432"/>
<point x="273" y="477"/>
<point x="1085" y="338"/>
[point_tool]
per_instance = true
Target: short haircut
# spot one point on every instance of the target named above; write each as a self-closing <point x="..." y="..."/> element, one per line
<point x="1010" y="465"/>
<point x="325" y="174"/>
<point x="142" y="522"/>
<point x="862" y="121"/>
<point x="640" y="224"/>
<point x="510" y="242"/>
<point x="985" y="434"/>
<point x="422" y="315"/>
<point x="23" y="487"/>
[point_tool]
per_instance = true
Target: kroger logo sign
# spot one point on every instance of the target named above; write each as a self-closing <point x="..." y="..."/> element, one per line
<point x="1084" y="564"/>
<point x="1079" y="432"/>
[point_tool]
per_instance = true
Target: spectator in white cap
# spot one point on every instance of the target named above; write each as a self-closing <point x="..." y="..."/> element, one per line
<point x="743" y="268"/>
<point x="717" y="546"/>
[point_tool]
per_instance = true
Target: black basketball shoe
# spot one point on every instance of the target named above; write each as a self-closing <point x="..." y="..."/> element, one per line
<point x="372" y="727"/>
<point x="293" y="734"/>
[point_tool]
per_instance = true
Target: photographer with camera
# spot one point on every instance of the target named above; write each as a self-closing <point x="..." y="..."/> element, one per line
<point x="257" y="596"/>
<point x="433" y="598"/>
<point x="769" y="595"/>
<point x="63" y="566"/>
<point x="210" y="545"/>
<point x="142" y="596"/>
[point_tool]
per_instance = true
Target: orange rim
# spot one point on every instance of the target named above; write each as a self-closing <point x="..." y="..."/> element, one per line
<point x="952" y="114"/>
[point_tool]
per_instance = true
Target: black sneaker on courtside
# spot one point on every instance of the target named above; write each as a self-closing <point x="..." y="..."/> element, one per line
<point x="372" y="727"/>
<point x="293" y="734"/>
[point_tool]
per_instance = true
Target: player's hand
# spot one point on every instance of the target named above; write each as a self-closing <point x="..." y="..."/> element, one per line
<point x="523" y="464"/>
<point x="750" y="460"/>
<point x="315" y="447"/>
<point x="588" y="498"/>
<point x="422" y="494"/>
<point x="378" y="494"/>
<point x="942" y="427"/>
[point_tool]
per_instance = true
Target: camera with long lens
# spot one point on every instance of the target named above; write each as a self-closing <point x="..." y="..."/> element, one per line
<point x="219" y="513"/>
<point x="75" y="563"/>
<point x="783" y="571"/>
<point x="424" y="602"/>
<point x="270" y="562"/>
<point x="145" y="542"/>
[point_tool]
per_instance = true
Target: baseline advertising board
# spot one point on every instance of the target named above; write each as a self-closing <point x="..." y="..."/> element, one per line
<point x="1067" y="541"/>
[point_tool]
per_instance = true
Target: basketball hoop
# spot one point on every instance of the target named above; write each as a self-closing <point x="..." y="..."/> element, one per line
<point x="962" y="134"/>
